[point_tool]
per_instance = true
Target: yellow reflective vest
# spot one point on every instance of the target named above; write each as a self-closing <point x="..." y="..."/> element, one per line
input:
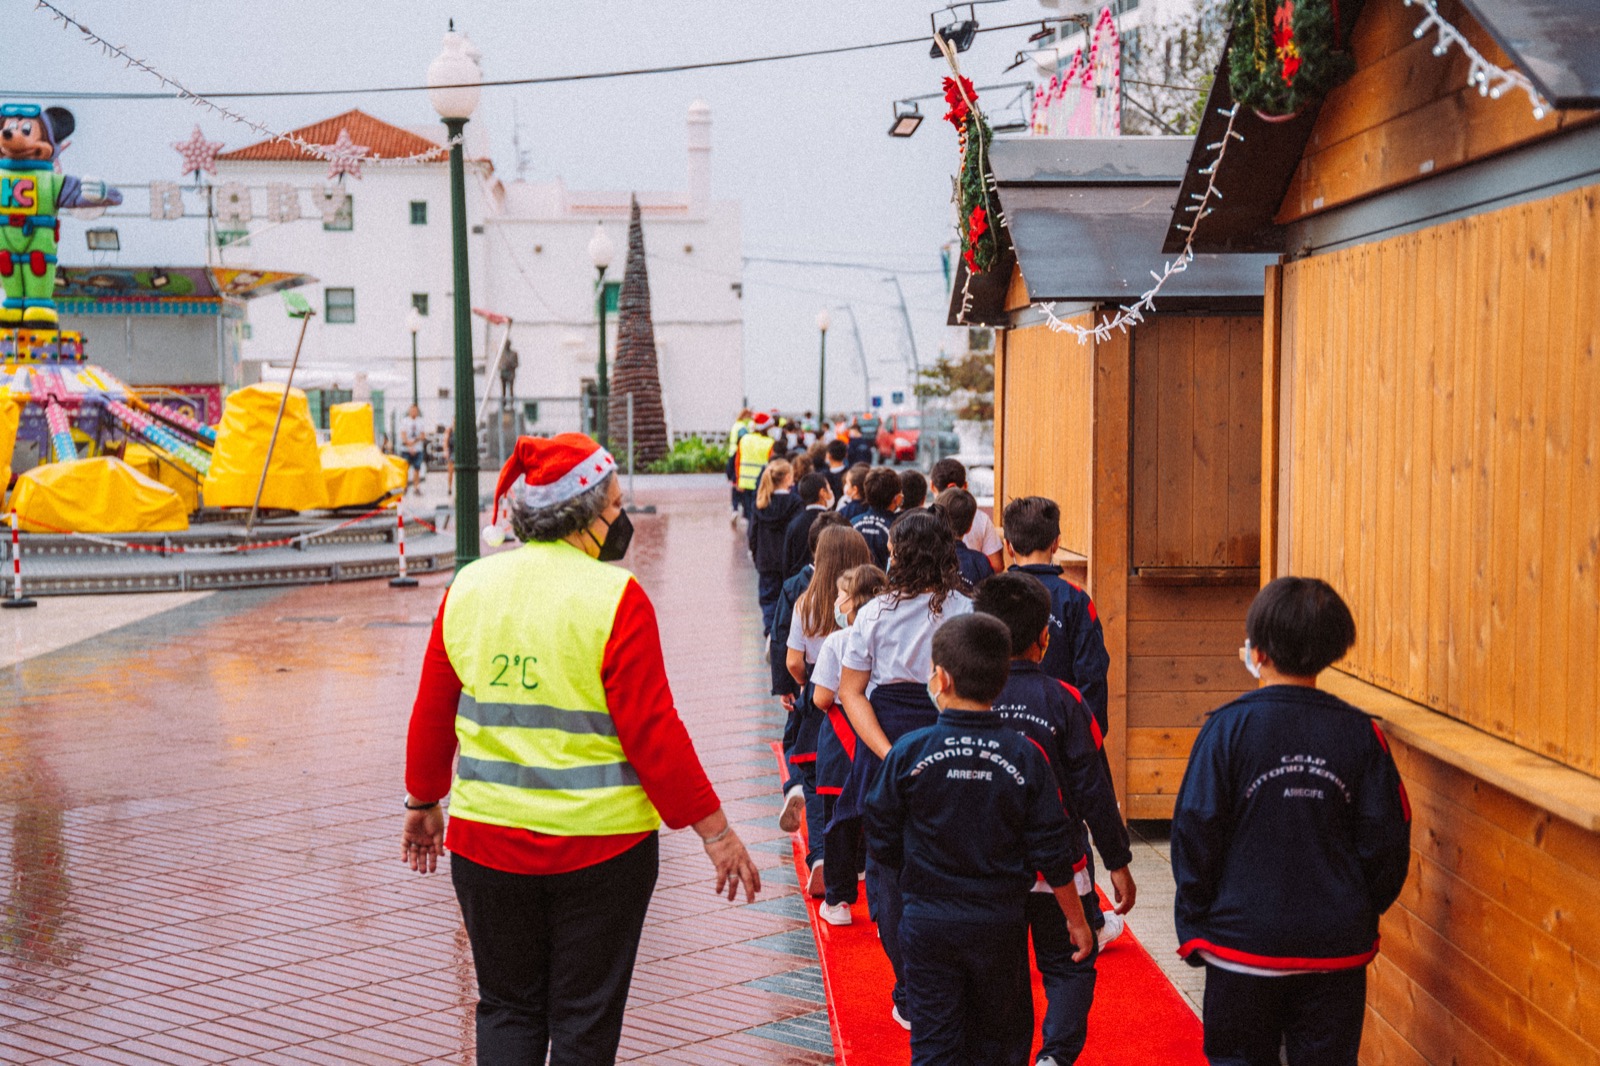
<point x="754" y="450"/>
<point x="526" y="631"/>
<point x="737" y="433"/>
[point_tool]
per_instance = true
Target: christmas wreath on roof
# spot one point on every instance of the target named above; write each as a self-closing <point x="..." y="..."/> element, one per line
<point x="976" y="208"/>
<point x="1286" y="54"/>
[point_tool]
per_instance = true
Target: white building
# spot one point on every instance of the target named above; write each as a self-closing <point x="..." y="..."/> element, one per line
<point x="539" y="273"/>
<point x="388" y="251"/>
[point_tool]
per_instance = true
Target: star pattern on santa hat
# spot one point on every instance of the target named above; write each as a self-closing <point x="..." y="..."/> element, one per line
<point x="198" y="153"/>
<point x="345" y="156"/>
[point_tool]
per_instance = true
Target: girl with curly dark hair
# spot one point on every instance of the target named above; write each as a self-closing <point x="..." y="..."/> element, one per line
<point x="888" y="661"/>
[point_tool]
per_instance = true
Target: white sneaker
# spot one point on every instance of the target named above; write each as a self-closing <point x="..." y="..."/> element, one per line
<point x="816" y="886"/>
<point x="1115" y="924"/>
<point x="835" y="913"/>
<point x="900" y="1018"/>
<point x="794" y="805"/>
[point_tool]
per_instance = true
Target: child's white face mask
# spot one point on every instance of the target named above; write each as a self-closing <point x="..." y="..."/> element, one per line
<point x="1247" y="653"/>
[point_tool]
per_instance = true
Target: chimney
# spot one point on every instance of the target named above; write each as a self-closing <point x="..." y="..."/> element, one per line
<point x="699" y="140"/>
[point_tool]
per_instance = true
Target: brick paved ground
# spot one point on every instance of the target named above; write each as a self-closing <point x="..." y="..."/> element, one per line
<point x="200" y="814"/>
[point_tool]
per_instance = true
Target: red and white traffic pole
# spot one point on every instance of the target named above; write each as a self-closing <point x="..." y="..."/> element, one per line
<point x="402" y="580"/>
<point x="17" y="599"/>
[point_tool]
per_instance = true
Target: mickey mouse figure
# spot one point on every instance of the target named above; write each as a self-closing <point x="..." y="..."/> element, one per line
<point x="31" y="192"/>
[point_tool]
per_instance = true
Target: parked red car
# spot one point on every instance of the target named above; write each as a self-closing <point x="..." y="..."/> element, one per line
<point x="897" y="438"/>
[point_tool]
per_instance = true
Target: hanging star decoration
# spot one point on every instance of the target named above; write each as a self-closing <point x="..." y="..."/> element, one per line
<point x="345" y="156"/>
<point x="198" y="153"/>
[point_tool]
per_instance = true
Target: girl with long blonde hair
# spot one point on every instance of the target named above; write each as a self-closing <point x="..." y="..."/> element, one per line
<point x="775" y="505"/>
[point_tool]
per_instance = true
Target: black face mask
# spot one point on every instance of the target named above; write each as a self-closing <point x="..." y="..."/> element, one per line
<point x="619" y="535"/>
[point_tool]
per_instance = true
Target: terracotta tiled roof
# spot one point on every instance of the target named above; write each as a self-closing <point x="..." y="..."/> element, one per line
<point x="384" y="140"/>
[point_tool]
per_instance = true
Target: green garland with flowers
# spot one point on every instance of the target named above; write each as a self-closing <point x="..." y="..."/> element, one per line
<point x="1286" y="53"/>
<point x="975" y="202"/>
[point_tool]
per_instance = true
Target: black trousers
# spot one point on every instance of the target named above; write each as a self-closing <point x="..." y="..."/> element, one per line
<point x="845" y="851"/>
<point x="1068" y="985"/>
<point x="554" y="956"/>
<point x="1316" y="1017"/>
<point x="967" y="990"/>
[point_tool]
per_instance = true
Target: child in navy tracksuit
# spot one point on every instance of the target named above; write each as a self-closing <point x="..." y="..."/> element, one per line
<point x="1052" y="714"/>
<point x="1291" y="836"/>
<point x="881" y="490"/>
<point x="960" y="507"/>
<point x="1077" y="653"/>
<point x="967" y="813"/>
<point x="775" y="505"/>
<point x="851" y="504"/>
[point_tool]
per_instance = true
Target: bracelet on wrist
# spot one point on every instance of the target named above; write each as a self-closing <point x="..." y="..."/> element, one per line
<point x="421" y="806"/>
<point x="708" y="841"/>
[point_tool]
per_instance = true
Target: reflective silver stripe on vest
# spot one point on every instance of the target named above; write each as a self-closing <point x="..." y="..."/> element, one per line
<point x="536" y="716"/>
<point x="494" y="772"/>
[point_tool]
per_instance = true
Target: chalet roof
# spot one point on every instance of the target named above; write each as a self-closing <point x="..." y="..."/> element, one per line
<point x="384" y="140"/>
<point x="1556" y="43"/>
<point x="1086" y="217"/>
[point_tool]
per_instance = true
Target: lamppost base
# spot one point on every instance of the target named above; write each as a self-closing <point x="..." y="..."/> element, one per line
<point x="19" y="601"/>
<point x="402" y="582"/>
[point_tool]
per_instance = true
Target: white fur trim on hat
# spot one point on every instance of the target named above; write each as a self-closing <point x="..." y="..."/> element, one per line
<point x="575" y="482"/>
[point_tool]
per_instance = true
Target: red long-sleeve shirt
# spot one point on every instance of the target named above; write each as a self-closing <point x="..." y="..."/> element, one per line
<point x="652" y="735"/>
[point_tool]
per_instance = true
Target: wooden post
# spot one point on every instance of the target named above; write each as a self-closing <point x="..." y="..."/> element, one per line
<point x="1271" y="387"/>
<point x="1108" y="532"/>
<point x="1000" y="336"/>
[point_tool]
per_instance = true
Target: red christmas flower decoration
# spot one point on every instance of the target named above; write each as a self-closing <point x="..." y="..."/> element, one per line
<point x="977" y="223"/>
<point x="971" y="261"/>
<point x="957" y="115"/>
<point x="1283" y="41"/>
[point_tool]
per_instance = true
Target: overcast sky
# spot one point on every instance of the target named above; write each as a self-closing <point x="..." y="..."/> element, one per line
<point x="802" y="144"/>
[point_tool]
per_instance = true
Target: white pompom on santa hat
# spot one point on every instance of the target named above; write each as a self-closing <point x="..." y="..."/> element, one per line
<point x="546" y="471"/>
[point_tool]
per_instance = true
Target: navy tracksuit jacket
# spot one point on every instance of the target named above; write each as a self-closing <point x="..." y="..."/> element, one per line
<point x="1077" y="652"/>
<point x="1291" y="835"/>
<point x="1052" y="714"/>
<point x="968" y="811"/>
<point x="797" y="540"/>
<point x="974" y="564"/>
<point x="874" y="525"/>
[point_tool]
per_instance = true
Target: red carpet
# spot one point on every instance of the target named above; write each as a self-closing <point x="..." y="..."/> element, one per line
<point x="1138" y="1018"/>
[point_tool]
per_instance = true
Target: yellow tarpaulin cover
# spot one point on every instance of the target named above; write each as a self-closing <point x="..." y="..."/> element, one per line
<point x="163" y="468"/>
<point x="358" y="474"/>
<point x="103" y="495"/>
<point x="350" y="423"/>
<point x="10" y="412"/>
<point x="295" y="482"/>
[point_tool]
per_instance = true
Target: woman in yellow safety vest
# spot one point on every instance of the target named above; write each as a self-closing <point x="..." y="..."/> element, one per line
<point x="741" y="426"/>
<point x="755" y="448"/>
<point x="544" y="683"/>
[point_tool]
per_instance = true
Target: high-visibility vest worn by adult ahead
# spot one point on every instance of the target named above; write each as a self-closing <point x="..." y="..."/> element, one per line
<point x="526" y="631"/>
<point x="754" y="450"/>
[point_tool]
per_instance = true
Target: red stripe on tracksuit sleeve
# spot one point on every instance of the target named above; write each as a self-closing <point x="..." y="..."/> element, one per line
<point x="653" y="736"/>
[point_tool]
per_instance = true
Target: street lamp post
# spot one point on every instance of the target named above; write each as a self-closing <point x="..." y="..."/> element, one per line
<point x="414" y="326"/>
<point x="453" y="88"/>
<point x="823" y="322"/>
<point x="601" y="252"/>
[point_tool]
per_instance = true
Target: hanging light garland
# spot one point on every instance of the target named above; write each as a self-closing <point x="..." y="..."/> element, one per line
<point x="1490" y="79"/>
<point x="1132" y="314"/>
<point x="332" y="154"/>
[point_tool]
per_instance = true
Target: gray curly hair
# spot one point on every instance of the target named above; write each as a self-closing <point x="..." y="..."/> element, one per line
<point x="561" y="520"/>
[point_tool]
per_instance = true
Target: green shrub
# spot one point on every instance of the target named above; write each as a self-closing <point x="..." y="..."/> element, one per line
<point x="691" y="455"/>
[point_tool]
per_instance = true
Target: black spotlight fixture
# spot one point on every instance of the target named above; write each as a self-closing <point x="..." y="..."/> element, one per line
<point x="959" y="33"/>
<point x="907" y="117"/>
<point x="159" y="279"/>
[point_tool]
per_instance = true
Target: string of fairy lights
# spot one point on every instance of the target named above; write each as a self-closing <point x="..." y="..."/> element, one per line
<point x="1489" y="78"/>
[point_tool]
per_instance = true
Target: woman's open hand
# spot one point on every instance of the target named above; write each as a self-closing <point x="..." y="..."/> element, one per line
<point x="422" y="839"/>
<point x="727" y="853"/>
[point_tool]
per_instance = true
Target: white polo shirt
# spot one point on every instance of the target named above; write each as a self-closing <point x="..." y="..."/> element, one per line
<point x="893" y="641"/>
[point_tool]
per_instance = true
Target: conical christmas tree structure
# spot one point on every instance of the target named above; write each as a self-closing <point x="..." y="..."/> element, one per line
<point x="635" y="370"/>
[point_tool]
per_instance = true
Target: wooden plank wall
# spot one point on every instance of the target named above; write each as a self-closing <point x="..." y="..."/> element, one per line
<point x="1444" y="452"/>
<point x="1109" y="542"/>
<point x="1492" y="954"/>
<point x="1197" y="441"/>
<point x="1183" y="661"/>
<point x="1407" y="114"/>
<point x="1045" y="429"/>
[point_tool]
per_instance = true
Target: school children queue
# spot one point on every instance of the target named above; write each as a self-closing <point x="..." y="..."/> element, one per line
<point x="944" y="737"/>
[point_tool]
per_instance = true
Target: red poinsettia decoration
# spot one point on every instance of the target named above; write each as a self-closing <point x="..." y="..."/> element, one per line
<point x="959" y="110"/>
<point x="971" y="260"/>
<point x="977" y="223"/>
<point x="1283" y="41"/>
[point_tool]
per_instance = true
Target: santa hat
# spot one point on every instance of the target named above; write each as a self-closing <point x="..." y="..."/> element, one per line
<point x="761" y="420"/>
<point x="546" y="471"/>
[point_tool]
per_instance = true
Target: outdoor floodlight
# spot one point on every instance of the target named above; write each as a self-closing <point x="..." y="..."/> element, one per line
<point x="159" y="280"/>
<point x="906" y="119"/>
<point x="103" y="239"/>
<point x="414" y="321"/>
<point x="958" y="33"/>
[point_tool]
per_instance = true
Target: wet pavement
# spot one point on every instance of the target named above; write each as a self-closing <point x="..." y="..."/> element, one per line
<point x="200" y="811"/>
